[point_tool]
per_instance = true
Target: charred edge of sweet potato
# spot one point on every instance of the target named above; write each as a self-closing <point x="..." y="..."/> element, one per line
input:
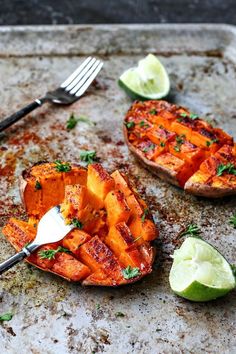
<point x="37" y="266"/>
<point x="162" y="172"/>
<point x="208" y="191"/>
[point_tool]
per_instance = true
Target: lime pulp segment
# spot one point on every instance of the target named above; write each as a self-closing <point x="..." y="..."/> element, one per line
<point x="149" y="80"/>
<point x="200" y="267"/>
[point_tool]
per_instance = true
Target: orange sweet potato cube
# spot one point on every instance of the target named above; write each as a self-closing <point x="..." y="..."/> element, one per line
<point x="99" y="181"/>
<point x="134" y="205"/>
<point x="132" y="258"/>
<point x="69" y="267"/>
<point x="160" y="136"/>
<point x="144" y="228"/>
<point x="44" y="263"/>
<point x="75" y="239"/>
<point x="119" y="238"/>
<point x="116" y="207"/>
<point x="75" y="199"/>
<point x="121" y="183"/>
<point x="96" y="255"/>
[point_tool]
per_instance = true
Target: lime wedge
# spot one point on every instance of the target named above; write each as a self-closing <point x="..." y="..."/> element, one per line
<point x="149" y="80"/>
<point x="199" y="272"/>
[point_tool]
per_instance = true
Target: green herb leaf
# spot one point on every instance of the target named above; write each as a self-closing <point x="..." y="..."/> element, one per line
<point x="183" y="115"/>
<point x="129" y="272"/>
<point x="177" y="148"/>
<point x="73" y="121"/>
<point x="88" y="156"/>
<point x="209" y="143"/>
<point x="63" y="249"/>
<point x="6" y="317"/>
<point x="153" y="111"/>
<point x="180" y="139"/>
<point x="193" y="116"/>
<point x="162" y="144"/>
<point x="129" y="124"/>
<point x="50" y="254"/>
<point x="98" y="306"/>
<point x="47" y="254"/>
<point x="77" y="223"/>
<point x="143" y="124"/>
<point x="62" y="167"/>
<point x="145" y="213"/>
<point x="229" y="168"/>
<point x="232" y="221"/>
<point x="149" y="148"/>
<point x="191" y="230"/>
<point x="37" y="185"/>
<point x="233" y="267"/>
<point x="119" y="314"/>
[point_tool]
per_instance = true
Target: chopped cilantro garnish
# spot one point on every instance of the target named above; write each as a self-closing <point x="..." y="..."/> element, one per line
<point x="177" y="148"/>
<point x="6" y="317"/>
<point x="145" y="213"/>
<point x="153" y="111"/>
<point x="143" y="124"/>
<point x="130" y="124"/>
<point x="183" y="115"/>
<point x="179" y="140"/>
<point x="73" y="121"/>
<point x="149" y="148"/>
<point x="129" y="272"/>
<point x="88" y="156"/>
<point x="232" y="221"/>
<point x="62" y="167"/>
<point x="119" y="314"/>
<point x="77" y="223"/>
<point x="37" y="185"/>
<point x="229" y="168"/>
<point x="193" y="116"/>
<point x="162" y="144"/>
<point x="190" y="230"/>
<point x="209" y="143"/>
<point x="50" y="254"/>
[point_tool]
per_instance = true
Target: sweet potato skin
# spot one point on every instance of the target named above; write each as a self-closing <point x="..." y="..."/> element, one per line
<point x="92" y="253"/>
<point x="206" y="140"/>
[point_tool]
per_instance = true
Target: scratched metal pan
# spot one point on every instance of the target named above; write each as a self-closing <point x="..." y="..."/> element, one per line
<point x="50" y="314"/>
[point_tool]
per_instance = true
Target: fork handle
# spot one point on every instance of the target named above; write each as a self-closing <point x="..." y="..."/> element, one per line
<point x="18" y="257"/>
<point x="7" y="122"/>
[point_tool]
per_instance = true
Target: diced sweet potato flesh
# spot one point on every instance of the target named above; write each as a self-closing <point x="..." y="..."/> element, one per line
<point x="104" y="210"/>
<point x="117" y="208"/>
<point x="43" y="186"/>
<point x="181" y="144"/>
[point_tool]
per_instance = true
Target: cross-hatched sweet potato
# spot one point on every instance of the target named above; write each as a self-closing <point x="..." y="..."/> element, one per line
<point x="113" y="227"/>
<point x="43" y="186"/>
<point x="181" y="148"/>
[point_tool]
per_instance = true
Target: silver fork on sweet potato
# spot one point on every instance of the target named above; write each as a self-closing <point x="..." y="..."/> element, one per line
<point x="51" y="228"/>
<point x="68" y="92"/>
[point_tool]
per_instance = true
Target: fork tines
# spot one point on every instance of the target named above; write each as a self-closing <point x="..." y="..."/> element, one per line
<point x="78" y="82"/>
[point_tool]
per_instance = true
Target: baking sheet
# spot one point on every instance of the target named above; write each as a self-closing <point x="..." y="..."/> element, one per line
<point x="50" y="314"/>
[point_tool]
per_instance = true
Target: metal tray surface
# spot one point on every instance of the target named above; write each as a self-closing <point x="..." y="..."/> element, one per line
<point x="50" y="314"/>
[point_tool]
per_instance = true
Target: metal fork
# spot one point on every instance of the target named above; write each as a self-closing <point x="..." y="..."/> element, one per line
<point x="68" y="92"/>
<point x="51" y="228"/>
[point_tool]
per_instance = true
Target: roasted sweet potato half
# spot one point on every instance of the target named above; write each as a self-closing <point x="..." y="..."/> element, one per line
<point x="181" y="148"/>
<point x="111" y="242"/>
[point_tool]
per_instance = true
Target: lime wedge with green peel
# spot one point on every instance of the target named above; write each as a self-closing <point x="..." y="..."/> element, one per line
<point x="148" y="81"/>
<point x="199" y="272"/>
